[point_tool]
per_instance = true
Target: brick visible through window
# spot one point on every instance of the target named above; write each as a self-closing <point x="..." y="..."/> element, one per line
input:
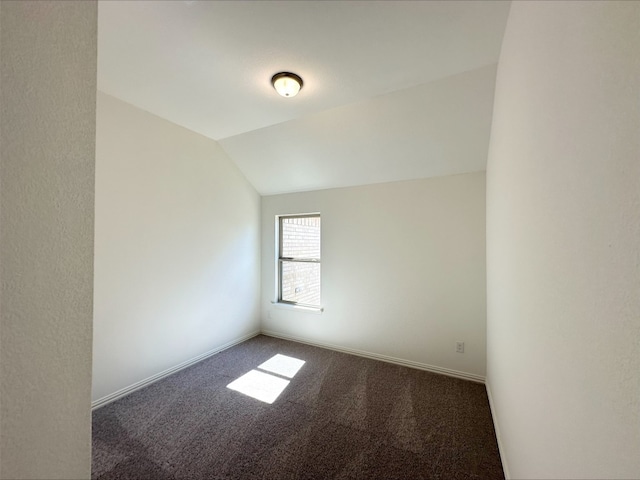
<point x="299" y="259"/>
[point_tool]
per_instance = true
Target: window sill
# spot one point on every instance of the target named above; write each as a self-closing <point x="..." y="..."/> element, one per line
<point x="300" y="308"/>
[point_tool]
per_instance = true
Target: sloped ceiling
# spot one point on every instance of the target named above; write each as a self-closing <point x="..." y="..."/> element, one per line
<point x="392" y="90"/>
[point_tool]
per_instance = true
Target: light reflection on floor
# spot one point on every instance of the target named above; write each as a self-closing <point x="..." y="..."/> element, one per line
<point x="282" y="365"/>
<point x="265" y="386"/>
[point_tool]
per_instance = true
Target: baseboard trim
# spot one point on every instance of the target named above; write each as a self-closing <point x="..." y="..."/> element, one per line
<point x="101" y="402"/>
<point x="376" y="356"/>
<point x="496" y="427"/>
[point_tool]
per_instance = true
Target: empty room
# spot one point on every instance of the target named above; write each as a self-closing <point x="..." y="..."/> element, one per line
<point x="319" y="239"/>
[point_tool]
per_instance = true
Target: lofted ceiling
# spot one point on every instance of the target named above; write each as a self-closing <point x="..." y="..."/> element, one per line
<point x="393" y="90"/>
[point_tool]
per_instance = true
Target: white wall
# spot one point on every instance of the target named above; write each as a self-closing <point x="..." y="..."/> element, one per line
<point x="47" y="105"/>
<point x="1" y="318"/>
<point x="177" y="253"/>
<point x="403" y="270"/>
<point x="563" y="238"/>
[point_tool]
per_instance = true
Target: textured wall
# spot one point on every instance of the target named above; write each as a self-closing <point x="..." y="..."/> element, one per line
<point x="563" y="241"/>
<point x="1" y="142"/>
<point x="48" y="63"/>
<point x="403" y="270"/>
<point x="177" y="247"/>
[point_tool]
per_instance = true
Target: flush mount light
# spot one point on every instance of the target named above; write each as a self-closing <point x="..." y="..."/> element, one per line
<point x="286" y="84"/>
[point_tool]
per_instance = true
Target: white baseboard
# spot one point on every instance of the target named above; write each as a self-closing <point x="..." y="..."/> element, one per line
<point x="376" y="356"/>
<point x="101" y="402"/>
<point x="496" y="427"/>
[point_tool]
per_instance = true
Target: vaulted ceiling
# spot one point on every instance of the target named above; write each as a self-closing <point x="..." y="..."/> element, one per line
<point x="392" y="90"/>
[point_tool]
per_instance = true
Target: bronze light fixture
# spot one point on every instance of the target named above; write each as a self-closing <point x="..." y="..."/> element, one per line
<point x="287" y="84"/>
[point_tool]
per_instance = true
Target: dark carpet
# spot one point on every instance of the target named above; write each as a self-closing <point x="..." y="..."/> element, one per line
<point x="341" y="416"/>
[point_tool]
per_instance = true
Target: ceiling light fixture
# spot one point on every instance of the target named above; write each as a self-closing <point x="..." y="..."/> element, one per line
<point x="286" y="84"/>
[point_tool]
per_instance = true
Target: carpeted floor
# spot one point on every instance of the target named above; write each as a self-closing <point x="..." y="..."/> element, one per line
<point x="341" y="416"/>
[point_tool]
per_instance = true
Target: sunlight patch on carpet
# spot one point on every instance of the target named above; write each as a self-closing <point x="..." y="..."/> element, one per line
<point x="264" y="386"/>
<point x="282" y="365"/>
<point x="261" y="386"/>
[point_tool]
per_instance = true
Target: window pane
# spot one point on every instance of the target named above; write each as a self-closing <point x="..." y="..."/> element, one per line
<point x="301" y="282"/>
<point x="301" y="237"/>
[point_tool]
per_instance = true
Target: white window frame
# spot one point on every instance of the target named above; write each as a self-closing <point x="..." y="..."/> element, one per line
<point x="279" y="261"/>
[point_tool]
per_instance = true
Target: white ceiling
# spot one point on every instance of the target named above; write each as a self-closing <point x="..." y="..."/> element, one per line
<point x="392" y="90"/>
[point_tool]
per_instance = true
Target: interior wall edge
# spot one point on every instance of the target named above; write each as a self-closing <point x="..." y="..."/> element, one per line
<point x="123" y="392"/>
<point x="384" y="358"/>
<point x="496" y="427"/>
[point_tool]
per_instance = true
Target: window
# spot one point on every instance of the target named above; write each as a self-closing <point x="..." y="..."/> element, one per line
<point x="299" y="260"/>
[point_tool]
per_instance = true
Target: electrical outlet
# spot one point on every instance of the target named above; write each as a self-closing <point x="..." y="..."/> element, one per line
<point x="459" y="347"/>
